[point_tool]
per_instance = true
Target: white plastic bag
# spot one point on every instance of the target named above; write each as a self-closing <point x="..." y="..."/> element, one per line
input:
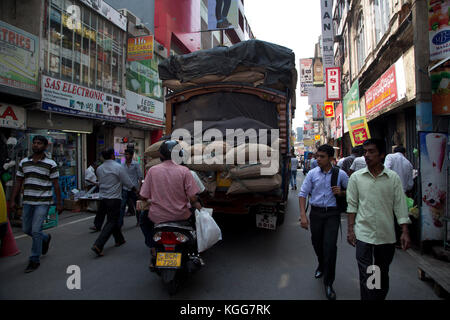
<point x="208" y="232"/>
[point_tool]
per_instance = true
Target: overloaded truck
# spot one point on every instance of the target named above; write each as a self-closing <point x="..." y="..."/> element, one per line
<point x="231" y="108"/>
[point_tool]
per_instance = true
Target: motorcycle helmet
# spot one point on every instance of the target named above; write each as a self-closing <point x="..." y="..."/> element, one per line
<point x="165" y="150"/>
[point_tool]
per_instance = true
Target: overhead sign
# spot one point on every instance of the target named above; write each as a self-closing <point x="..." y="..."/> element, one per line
<point x="439" y="29"/>
<point x="19" y="58"/>
<point x="65" y="97"/>
<point x="317" y="137"/>
<point x="316" y="95"/>
<point x="318" y="113"/>
<point x="327" y="34"/>
<point x="308" y="126"/>
<point x="106" y="11"/>
<point x="359" y="130"/>
<point x="389" y="88"/>
<point x="306" y="76"/>
<point x="317" y="71"/>
<point x="145" y="110"/>
<point x="329" y="109"/>
<point x="12" y="116"/>
<point x="333" y="83"/>
<point x="339" y="121"/>
<point x="140" y="48"/>
<point x="309" y="142"/>
<point x="223" y="14"/>
<point x="351" y="104"/>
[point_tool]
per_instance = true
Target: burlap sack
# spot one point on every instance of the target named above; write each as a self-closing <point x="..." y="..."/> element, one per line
<point x="202" y="165"/>
<point x="152" y="151"/>
<point x="245" y="76"/>
<point x="246" y="171"/>
<point x="152" y="163"/>
<point x="215" y="148"/>
<point x="255" y="185"/>
<point x="176" y="85"/>
<point x="208" y="78"/>
<point x="250" y="151"/>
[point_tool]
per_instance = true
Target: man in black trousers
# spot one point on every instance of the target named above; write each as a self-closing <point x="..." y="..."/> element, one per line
<point x="111" y="176"/>
<point x="325" y="215"/>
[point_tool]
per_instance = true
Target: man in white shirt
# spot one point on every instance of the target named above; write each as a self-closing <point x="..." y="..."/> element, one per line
<point x="90" y="178"/>
<point x="358" y="164"/>
<point x="397" y="162"/>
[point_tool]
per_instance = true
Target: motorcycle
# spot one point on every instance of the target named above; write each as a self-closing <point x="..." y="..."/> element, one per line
<point x="176" y="255"/>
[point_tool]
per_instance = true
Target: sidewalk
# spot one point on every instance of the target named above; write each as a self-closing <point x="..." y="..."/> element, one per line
<point x="65" y="217"/>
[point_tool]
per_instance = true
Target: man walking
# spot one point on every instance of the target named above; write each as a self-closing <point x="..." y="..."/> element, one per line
<point x="111" y="175"/>
<point x="294" y="167"/>
<point x="374" y="196"/>
<point x="348" y="161"/>
<point x="37" y="174"/>
<point x="325" y="215"/>
<point x="398" y="163"/>
<point x="134" y="172"/>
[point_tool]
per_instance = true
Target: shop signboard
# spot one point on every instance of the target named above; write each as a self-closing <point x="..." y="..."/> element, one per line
<point x="223" y="14"/>
<point x="64" y="97"/>
<point x="434" y="158"/>
<point x="359" y="130"/>
<point x="308" y="142"/>
<point x="333" y="129"/>
<point x="440" y="90"/>
<point x="145" y="110"/>
<point x="104" y="9"/>
<point x="327" y="34"/>
<point x="329" y="109"/>
<point x="143" y="78"/>
<point x="317" y="72"/>
<point x="140" y="48"/>
<point x="306" y="76"/>
<point x="439" y="29"/>
<point x="308" y="126"/>
<point x="389" y="88"/>
<point x="318" y="112"/>
<point x="317" y="137"/>
<point x="333" y="84"/>
<point x="12" y="116"/>
<point x="316" y="95"/>
<point x="351" y="104"/>
<point x="19" y="58"/>
<point x="339" y="122"/>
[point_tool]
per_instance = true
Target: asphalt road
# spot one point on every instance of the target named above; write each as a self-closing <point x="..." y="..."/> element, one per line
<point x="248" y="264"/>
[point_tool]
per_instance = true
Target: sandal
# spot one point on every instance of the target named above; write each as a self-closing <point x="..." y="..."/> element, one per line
<point x="97" y="251"/>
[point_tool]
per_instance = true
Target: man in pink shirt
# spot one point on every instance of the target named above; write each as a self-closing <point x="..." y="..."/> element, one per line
<point x="170" y="188"/>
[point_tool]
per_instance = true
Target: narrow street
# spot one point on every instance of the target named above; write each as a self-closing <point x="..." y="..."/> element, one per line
<point x="249" y="263"/>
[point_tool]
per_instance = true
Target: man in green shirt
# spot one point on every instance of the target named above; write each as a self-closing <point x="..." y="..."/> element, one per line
<point x="374" y="196"/>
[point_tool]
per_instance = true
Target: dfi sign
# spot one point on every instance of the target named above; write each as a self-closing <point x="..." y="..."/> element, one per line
<point x="12" y="116"/>
<point x="333" y="83"/>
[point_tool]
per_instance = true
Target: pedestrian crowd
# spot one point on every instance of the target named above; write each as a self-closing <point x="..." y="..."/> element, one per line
<point x="367" y="185"/>
<point x="370" y="188"/>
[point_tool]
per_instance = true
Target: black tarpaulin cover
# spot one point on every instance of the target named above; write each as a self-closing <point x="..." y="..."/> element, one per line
<point x="277" y="62"/>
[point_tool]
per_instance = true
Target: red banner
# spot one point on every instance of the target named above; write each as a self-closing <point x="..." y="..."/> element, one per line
<point x="382" y="93"/>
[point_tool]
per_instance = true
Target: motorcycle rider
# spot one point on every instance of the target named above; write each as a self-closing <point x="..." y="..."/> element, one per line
<point x="172" y="192"/>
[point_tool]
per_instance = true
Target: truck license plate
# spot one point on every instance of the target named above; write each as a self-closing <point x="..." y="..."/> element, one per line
<point x="266" y="221"/>
<point x="168" y="260"/>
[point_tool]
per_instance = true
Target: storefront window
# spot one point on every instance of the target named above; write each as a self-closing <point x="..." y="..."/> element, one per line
<point x="83" y="47"/>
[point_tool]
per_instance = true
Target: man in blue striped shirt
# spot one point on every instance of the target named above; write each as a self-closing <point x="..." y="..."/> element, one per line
<point x="325" y="216"/>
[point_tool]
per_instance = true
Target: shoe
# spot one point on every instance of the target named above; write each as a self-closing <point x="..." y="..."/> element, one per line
<point x="94" y="228"/>
<point x="97" y="251"/>
<point x="118" y="244"/>
<point x="318" y="274"/>
<point x="295" y="187"/>
<point x="32" y="266"/>
<point x="331" y="295"/>
<point x="45" y="244"/>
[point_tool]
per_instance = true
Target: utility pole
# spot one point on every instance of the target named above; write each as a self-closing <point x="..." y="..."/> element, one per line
<point x="424" y="115"/>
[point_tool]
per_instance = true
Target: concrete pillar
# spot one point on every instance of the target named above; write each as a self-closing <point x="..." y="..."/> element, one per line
<point x="424" y="108"/>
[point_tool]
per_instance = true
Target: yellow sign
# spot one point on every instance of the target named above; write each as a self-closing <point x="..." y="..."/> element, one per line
<point x="308" y="143"/>
<point x="140" y="48"/>
<point x="317" y="137"/>
<point x="329" y="109"/>
<point x="359" y="130"/>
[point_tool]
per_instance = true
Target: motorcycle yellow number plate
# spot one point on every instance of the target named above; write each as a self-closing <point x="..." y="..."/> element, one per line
<point x="168" y="260"/>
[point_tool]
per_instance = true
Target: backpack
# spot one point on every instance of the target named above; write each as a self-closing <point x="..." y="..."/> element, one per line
<point x="340" y="201"/>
